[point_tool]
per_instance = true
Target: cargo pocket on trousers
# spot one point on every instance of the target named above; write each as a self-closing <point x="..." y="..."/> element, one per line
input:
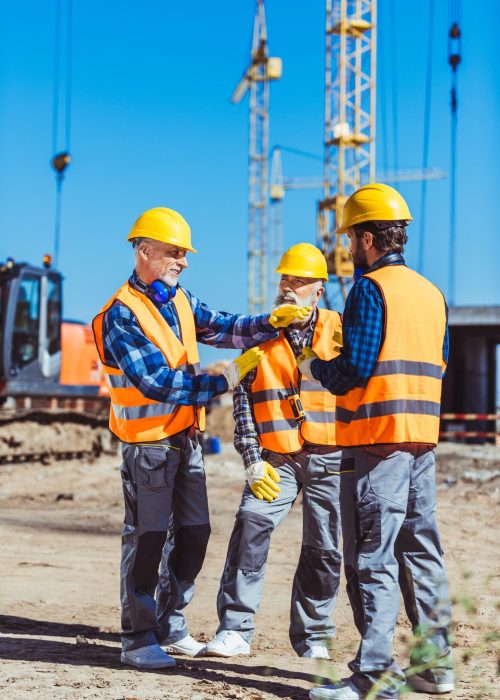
<point x="369" y="530"/>
<point x="154" y="470"/>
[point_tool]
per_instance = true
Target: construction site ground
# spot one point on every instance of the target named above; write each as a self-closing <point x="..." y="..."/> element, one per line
<point x="59" y="603"/>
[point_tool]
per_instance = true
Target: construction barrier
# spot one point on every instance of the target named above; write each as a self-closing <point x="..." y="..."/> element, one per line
<point x="455" y="434"/>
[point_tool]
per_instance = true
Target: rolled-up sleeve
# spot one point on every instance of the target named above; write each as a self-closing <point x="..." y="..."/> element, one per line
<point x="224" y="330"/>
<point x="127" y="348"/>
<point x="362" y="328"/>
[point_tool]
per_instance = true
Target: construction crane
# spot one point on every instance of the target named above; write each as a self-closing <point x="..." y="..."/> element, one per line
<point x="349" y="131"/>
<point x="281" y="184"/>
<point x="260" y="72"/>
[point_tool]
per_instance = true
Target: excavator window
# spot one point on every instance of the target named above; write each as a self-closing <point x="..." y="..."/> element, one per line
<point x="26" y="331"/>
<point x="54" y="312"/>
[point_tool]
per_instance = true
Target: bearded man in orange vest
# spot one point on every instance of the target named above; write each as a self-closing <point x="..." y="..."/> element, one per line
<point x="147" y="335"/>
<point x="285" y="433"/>
<point x="387" y="380"/>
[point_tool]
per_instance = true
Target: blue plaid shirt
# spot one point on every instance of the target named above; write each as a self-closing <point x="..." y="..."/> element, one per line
<point x="127" y="348"/>
<point x="246" y="437"/>
<point x="362" y="329"/>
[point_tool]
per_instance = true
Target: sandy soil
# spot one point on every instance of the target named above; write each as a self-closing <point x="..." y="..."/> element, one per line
<point x="59" y="607"/>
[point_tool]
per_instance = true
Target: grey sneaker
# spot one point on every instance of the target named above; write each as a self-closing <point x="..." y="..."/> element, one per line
<point x="435" y="681"/>
<point x="344" y="690"/>
<point x="150" y="657"/>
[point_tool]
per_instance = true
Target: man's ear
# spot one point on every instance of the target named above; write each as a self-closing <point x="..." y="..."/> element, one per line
<point x="145" y="250"/>
<point x="368" y="240"/>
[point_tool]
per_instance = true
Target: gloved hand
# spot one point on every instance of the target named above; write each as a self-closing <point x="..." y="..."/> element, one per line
<point x="241" y="366"/>
<point x="283" y="315"/>
<point x="337" y="340"/>
<point x="304" y="363"/>
<point x="262" y="479"/>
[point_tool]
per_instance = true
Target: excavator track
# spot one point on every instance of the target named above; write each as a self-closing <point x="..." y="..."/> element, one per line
<point x="38" y="434"/>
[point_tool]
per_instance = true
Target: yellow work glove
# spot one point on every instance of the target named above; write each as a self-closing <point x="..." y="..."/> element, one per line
<point x="262" y="479"/>
<point x="241" y="366"/>
<point x="337" y="340"/>
<point x="304" y="363"/>
<point x="283" y="315"/>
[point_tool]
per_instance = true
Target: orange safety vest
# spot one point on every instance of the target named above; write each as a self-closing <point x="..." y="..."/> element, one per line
<point x="132" y="416"/>
<point x="276" y="425"/>
<point x="402" y="399"/>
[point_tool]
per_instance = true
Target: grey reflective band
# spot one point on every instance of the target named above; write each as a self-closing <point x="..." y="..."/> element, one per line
<point x="275" y="426"/>
<point x="306" y="385"/>
<point x="269" y="395"/>
<point x="410" y="367"/>
<point x="121" y="381"/>
<point x="147" y="411"/>
<point x="389" y="408"/>
<point x="320" y="416"/>
<point x="264" y="395"/>
<point x="118" y="381"/>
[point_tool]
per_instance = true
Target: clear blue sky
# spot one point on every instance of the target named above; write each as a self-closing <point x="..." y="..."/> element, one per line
<point x="153" y="126"/>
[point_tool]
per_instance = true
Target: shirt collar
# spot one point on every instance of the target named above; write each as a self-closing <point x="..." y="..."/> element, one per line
<point x="308" y="329"/>
<point x="387" y="259"/>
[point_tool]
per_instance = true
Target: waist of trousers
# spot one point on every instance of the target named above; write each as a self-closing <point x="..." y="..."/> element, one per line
<point x="319" y="449"/>
<point x="178" y="441"/>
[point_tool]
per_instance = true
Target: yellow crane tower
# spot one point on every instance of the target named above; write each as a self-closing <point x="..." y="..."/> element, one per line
<point x="260" y="72"/>
<point x="349" y="132"/>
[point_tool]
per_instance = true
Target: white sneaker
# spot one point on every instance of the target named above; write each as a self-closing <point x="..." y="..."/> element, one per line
<point x="316" y="652"/>
<point x="339" y="691"/>
<point x="227" y="643"/>
<point x="148" y="657"/>
<point x="187" y="646"/>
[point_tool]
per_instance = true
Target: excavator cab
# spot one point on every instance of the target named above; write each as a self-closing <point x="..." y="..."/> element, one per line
<point x="30" y="328"/>
<point x="40" y="354"/>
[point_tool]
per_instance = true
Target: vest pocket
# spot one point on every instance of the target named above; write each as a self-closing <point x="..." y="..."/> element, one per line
<point x="368" y="528"/>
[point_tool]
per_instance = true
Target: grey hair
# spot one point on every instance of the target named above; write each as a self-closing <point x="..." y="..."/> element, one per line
<point x="137" y="242"/>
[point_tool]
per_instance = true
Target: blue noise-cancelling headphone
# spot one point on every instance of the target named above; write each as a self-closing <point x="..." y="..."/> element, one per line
<point x="160" y="292"/>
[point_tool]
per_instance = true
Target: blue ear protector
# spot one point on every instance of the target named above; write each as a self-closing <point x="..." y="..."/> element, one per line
<point x="160" y="292"/>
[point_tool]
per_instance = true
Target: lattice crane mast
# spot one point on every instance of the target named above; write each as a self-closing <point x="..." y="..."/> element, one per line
<point x="260" y="72"/>
<point x="349" y="132"/>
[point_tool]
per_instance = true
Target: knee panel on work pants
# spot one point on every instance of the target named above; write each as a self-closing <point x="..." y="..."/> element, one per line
<point x="249" y="543"/>
<point x="318" y="572"/>
<point x="190" y="545"/>
<point x="147" y="561"/>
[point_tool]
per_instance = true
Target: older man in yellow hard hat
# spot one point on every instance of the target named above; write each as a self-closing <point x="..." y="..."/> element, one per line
<point x="285" y="433"/>
<point x="387" y="380"/>
<point x="147" y="336"/>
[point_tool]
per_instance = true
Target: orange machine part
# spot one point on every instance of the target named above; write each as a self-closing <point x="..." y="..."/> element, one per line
<point x="80" y="362"/>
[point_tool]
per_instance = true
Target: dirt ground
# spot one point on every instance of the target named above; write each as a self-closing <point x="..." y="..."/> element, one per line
<point x="59" y="606"/>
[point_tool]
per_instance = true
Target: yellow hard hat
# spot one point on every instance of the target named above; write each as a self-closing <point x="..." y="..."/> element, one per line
<point x="303" y="260"/>
<point x="164" y="225"/>
<point x="374" y="202"/>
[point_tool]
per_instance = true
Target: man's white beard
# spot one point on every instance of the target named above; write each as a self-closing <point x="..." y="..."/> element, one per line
<point x="170" y="280"/>
<point x="292" y="298"/>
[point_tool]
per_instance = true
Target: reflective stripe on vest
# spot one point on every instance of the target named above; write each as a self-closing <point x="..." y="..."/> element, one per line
<point x="275" y="423"/>
<point x="401" y="400"/>
<point x="133" y="417"/>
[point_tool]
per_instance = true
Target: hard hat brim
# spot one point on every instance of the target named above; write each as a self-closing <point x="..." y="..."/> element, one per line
<point x="142" y="233"/>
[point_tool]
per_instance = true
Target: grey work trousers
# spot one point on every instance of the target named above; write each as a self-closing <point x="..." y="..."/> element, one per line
<point x="391" y="543"/>
<point x="316" y="581"/>
<point x="164" y="538"/>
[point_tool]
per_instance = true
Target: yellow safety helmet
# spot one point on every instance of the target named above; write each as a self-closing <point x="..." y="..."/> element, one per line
<point x="303" y="260"/>
<point x="374" y="202"/>
<point x="164" y="225"/>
